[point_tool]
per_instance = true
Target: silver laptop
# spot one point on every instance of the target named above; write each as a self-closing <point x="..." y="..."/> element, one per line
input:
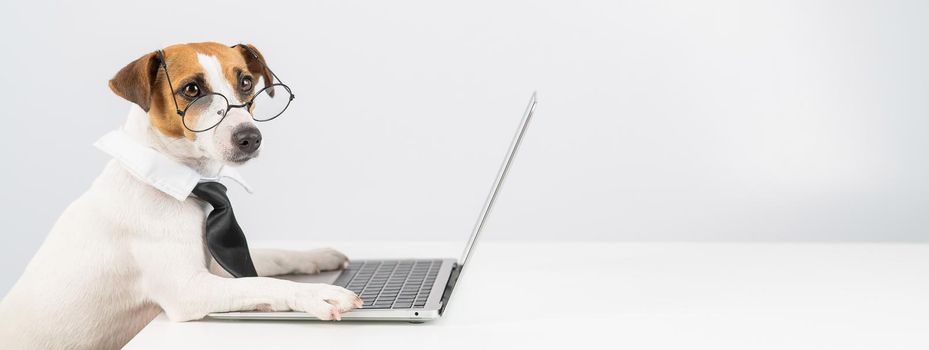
<point x="412" y="290"/>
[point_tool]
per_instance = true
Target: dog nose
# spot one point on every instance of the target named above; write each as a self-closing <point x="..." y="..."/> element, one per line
<point x="247" y="140"/>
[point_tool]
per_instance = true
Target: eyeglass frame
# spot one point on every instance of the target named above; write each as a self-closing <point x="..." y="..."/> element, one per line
<point x="229" y="106"/>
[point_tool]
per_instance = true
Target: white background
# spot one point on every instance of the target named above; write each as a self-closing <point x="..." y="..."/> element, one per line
<point x="670" y="120"/>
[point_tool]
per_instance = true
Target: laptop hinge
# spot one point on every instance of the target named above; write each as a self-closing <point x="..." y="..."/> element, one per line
<point x="450" y="286"/>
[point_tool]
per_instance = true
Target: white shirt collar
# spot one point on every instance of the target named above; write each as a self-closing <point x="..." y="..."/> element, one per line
<point x="158" y="170"/>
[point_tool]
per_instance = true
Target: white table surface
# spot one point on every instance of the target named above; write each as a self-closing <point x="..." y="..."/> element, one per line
<point x="627" y="296"/>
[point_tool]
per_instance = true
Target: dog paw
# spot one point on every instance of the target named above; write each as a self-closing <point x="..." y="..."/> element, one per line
<point x="324" y="259"/>
<point x="326" y="302"/>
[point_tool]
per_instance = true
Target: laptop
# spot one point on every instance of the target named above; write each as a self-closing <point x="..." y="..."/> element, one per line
<point x="409" y="290"/>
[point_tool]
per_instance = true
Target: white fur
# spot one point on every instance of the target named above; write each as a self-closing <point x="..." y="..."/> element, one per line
<point x="216" y="142"/>
<point x="124" y="251"/>
<point x="214" y="76"/>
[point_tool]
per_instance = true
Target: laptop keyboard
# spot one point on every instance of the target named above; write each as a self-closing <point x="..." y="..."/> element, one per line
<point x="391" y="284"/>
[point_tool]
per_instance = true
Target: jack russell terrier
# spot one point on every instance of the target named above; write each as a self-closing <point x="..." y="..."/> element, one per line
<point x="136" y="243"/>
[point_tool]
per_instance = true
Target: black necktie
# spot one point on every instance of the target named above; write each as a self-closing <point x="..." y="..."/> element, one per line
<point x="224" y="238"/>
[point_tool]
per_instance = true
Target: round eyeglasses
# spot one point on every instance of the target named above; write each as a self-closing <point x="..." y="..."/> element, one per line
<point x="208" y="111"/>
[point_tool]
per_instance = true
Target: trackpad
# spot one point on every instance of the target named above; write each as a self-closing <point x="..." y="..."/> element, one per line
<point x="323" y="277"/>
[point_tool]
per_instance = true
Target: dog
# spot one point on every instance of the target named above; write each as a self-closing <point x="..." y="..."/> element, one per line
<point x="126" y="250"/>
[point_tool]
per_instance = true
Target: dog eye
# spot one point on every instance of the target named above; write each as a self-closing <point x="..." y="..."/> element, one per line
<point x="245" y="84"/>
<point x="191" y="90"/>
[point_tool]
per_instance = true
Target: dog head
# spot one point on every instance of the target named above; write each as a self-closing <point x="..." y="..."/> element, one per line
<point x="197" y="70"/>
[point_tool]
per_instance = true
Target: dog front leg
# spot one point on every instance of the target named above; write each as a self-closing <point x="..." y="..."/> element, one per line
<point x="205" y="293"/>
<point x="275" y="262"/>
<point x="174" y="275"/>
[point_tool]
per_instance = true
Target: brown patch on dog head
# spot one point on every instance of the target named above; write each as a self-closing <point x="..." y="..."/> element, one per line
<point x="134" y="82"/>
<point x="256" y="65"/>
<point x="182" y="65"/>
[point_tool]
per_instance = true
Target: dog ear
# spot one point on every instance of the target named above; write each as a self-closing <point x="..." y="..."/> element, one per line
<point x="135" y="81"/>
<point x="256" y="64"/>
